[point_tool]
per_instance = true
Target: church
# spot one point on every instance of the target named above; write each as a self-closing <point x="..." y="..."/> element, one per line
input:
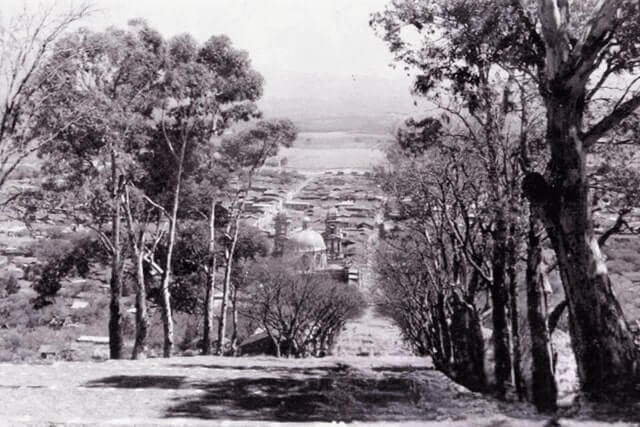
<point x="314" y="251"/>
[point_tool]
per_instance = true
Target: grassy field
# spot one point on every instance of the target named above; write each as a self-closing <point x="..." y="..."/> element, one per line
<point x="317" y="151"/>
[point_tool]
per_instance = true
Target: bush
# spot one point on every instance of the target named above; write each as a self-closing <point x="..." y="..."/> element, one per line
<point x="16" y="312"/>
<point x="128" y="323"/>
<point x="83" y="247"/>
<point x="191" y="255"/>
<point x="435" y="314"/>
<point x="23" y="346"/>
<point x="191" y="335"/>
<point x="93" y="313"/>
<point x="8" y="285"/>
<point x="303" y="312"/>
<point x="25" y="172"/>
<point x="49" y="282"/>
<point x="61" y="261"/>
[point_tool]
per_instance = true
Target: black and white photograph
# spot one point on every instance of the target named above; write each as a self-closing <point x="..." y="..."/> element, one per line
<point x="320" y="212"/>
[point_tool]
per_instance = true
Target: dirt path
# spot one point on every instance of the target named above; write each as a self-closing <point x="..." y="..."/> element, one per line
<point x="189" y="391"/>
<point x="400" y="390"/>
<point x="370" y="335"/>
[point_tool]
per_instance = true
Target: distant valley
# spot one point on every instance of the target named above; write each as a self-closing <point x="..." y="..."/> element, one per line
<point x="326" y="103"/>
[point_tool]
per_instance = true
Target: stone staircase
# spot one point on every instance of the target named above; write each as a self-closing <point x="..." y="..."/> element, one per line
<point x="370" y="335"/>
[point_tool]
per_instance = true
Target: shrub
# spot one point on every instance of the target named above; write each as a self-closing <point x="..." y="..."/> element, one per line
<point x="302" y="312"/>
<point x="61" y="261"/>
<point x="190" y="337"/>
<point x="92" y="313"/>
<point x="83" y="247"/>
<point x="191" y="254"/>
<point x="25" y="172"/>
<point x="23" y="346"/>
<point x="16" y="313"/>
<point x="8" y="285"/>
<point x="128" y="323"/>
<point x="48" y="284"/>
<point x="10" y="343"/>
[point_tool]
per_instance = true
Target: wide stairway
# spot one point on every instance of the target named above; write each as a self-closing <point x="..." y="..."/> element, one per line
<point x="370" y="335"/>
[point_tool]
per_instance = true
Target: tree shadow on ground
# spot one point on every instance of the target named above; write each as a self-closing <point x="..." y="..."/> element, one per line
<point x="402" y="368"/>
<point x="169" y="382"/>
<point x="330" y="396"/>
<point x="339" y="393"/>
<point x="304" y="370"/>
<point x="263" y="368"/>
<point x="329" y="393"/>
<point x="622" y="408"/>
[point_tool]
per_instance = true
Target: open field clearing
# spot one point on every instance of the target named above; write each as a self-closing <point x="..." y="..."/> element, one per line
<point x="316" y="151"/>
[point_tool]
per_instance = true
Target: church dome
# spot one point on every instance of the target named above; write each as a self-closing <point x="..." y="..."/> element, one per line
<point x="307" y="240"/>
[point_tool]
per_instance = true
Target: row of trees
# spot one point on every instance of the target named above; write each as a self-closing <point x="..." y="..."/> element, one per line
<point x="133" y="135"/>
<point x="144" y="151"/>
<point x="523" y="93"/>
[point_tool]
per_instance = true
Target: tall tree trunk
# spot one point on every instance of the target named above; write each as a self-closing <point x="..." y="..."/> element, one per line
<point x="229" y="262"/>
<point x="142" y="317"/>
<point x="499" y="302"/>
<point x="210" y="293"/>
<point x="445" y="333"/>
<point x="603" y="344"/>
<point x="468" y="346"/>
<point x="167" y="318"/>
<point x="142" y="320"/>
<point x="115" y="324"/>
<point x="512" y="257"/>
<point x="226" y="287"/>
<point x="234" y="320"/>
<point x="543" y="383"/>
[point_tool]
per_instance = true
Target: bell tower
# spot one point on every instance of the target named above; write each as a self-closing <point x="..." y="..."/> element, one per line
<point x="333" y="235"/>
<point x="281" y="224"/>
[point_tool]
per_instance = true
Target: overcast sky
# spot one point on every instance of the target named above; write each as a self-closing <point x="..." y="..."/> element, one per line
<point x="331" y="36"/>
<point x="320" y="49"/>
<point x="328" y="36"/>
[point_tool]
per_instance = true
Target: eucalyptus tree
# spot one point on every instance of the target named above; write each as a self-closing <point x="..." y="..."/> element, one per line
<point x="27" y="40"/>
<point x="102" y="84"/>
<point x="432" y="271"/>
<point x="206" y="190"/>
<point x="205" y="88"/>
<point x="149" y="104"/>
<point x="573" y="52"/>
<point x="245" y="153"/>
<point x="481" y="126"/>
<point x="580" y="61"/>
<point x="252" y="243"/>
<point x="145" y="230"/>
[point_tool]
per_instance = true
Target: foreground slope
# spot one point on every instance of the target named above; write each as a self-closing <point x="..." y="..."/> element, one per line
<point x="190" y="390"/>
<point x="196" y="390"/>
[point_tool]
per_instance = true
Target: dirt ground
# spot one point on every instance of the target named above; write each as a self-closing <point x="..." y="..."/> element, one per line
<point x="192" y="390"/>
<point x="388" y="390"/>
<point x="372" y="379"/>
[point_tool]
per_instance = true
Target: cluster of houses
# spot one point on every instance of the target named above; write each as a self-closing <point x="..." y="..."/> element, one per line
<point x="324" y="228"/>
<point x="339" y="211"/>
<point x="329" y="218"/>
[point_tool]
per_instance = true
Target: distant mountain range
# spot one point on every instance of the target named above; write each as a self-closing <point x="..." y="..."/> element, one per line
<point x="322" y="102"/>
